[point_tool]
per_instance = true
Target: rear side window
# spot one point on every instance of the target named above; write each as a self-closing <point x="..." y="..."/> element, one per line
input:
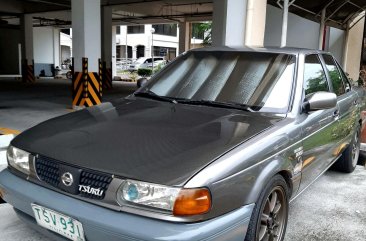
<point x="334" y="74"/>
<point x="314" y="75"/>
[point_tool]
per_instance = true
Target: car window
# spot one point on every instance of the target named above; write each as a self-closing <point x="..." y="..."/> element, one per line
<point x="314" y="75"/>
<point x="148" y="61"/>
<point x="334" y="75"/>
<point x="345" y="79"/>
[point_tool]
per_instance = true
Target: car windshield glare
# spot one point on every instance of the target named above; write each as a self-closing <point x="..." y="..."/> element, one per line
<point x="261" y="81"/>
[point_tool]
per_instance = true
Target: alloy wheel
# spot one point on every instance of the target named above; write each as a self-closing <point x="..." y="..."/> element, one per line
<point x="273" y="216"/>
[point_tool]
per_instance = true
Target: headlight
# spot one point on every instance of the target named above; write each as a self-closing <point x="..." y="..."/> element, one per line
<point x="178" y="201"/>
<point x="18" y="159"/>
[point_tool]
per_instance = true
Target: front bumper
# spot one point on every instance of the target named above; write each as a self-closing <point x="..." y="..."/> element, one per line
<point x="103" y="224"/>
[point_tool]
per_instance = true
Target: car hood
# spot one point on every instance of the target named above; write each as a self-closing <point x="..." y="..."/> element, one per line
<point x="144" y="139"/>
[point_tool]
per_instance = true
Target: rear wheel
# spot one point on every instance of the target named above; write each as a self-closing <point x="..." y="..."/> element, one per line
<point x="348" y="161"/>
<point x="270" y="214"/>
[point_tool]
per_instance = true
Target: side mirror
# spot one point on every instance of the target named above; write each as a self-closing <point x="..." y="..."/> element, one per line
<point x="320" y="101"/>
<point x="141" y="82"/>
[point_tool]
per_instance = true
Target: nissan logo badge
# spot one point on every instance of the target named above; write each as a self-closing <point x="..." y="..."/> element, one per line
<point x="67" y="179"/>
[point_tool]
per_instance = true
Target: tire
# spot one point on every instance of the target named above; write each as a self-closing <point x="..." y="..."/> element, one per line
<point x="270" y="214"/>
<point x="348" y="161"/>
<point x="69" y="75"/>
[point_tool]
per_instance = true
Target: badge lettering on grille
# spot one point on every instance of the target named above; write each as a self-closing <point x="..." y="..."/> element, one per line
<point x="91" y="190"/>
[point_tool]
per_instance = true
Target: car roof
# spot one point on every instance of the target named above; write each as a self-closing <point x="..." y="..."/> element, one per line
<point x="283" y="50"/>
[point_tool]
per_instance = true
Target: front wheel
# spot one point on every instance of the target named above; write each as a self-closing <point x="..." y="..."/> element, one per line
<point x="270" y="214"/>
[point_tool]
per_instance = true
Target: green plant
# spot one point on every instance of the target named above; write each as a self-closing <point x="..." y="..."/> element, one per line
<point x="144" y="72"/>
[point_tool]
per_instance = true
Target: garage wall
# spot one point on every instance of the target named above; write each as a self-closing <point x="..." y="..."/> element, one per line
<point x="43" y="45"/>
<point x="336" y="43"/>
<point x="9" y="55"/>
<point x="302" y="33"/>
<point x="353" y="58"/>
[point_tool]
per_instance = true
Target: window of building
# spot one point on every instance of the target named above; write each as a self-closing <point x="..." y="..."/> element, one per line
<point x="314" y="75"/>
<point x="334" y="75"/>
<point x="136" y="29"/>
<point x="198" y="31"/>
<point x="118" y="30"/>
<point x="166" y="29"/>
<point x="168" y="53"/>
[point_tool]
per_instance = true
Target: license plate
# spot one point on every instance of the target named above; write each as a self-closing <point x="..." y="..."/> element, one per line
<point x="58" y="223"/>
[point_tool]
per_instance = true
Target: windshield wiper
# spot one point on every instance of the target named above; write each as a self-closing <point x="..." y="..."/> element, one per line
<point x="230" y="105"/>
<point x="152" y="95"/>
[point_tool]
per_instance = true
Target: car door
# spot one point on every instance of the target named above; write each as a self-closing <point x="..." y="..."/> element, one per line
<point x="346" y="99"/>
<point x="318" y="127"/>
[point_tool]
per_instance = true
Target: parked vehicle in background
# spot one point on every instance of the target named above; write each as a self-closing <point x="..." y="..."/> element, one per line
<point x="143" y="62"/>
<point x="213" y="147"/>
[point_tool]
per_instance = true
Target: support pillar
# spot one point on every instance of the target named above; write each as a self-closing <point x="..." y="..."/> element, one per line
<point x="255" y="24"/>
<point x="345" y="45"/>
<point x="284" y="23"/>
<point x="134" y="52"/>
<point x="184" y="36"/>
<point x="114" y="51"/>
<point x="56" y="47"/>
<point x="228" y="25"/>
<point x="27" y="49"/>
<point x="107" y="46"/>
<point x="322" y="30"/>
<point x="86" y="42"/>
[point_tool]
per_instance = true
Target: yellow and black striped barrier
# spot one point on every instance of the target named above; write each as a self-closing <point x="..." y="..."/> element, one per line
<point x="87" y="87"/>
<point x="106" y="74"/>
<point x="28" y="72"/>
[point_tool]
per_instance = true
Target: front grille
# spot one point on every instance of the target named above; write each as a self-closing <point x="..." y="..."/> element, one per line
<point x="48" y="171"/>
<point x="94" y="180"/>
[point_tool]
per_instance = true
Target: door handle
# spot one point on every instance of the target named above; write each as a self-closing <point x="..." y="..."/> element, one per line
<point x="336" y="114"/>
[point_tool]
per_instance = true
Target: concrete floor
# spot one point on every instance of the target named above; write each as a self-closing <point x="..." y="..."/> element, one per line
<point x="23" y="106"/>
<point x="332" y="209"/>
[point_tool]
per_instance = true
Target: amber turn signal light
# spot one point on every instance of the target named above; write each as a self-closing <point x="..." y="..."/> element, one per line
<point x="192" y="202"/>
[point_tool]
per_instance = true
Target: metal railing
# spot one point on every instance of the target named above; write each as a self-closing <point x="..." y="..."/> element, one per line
<point x="123" y="63"/>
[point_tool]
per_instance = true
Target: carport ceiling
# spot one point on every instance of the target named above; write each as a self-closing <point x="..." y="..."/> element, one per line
<point x="338" y="12"/>
<point x="124" y="11"/>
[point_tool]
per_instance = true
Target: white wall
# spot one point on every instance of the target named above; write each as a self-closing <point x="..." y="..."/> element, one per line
<point x="302" y="33"/>
<point x="353" y="58"/>
<point x="336" y="43"/>
<point x="43" y="45"/>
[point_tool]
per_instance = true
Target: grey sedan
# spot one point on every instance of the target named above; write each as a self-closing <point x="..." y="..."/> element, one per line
<point x="213" y="147"/>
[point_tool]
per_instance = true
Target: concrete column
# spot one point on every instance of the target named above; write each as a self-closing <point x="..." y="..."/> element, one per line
<point x="255" y="22"/>
<point x="107" y="47"/>
<point x="345" y="46"/>
<point x="27" y="48"/>
<point x="107" y="35"/>
<point x="86" y="35"/>
<point x="56" y="47"/>
<point x="322" y="30"/>
<point x="184" y="36"/>
<point x="86" y="42"/>
<point x="114" y="51"/>
<point x="134" y="52"/>
<point x="284" y="23"/>
<point x="228" y="25"/>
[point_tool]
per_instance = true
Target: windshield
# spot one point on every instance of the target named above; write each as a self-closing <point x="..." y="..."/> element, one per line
<point x="139" y="60"/>
<point x="261" y="81"/>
